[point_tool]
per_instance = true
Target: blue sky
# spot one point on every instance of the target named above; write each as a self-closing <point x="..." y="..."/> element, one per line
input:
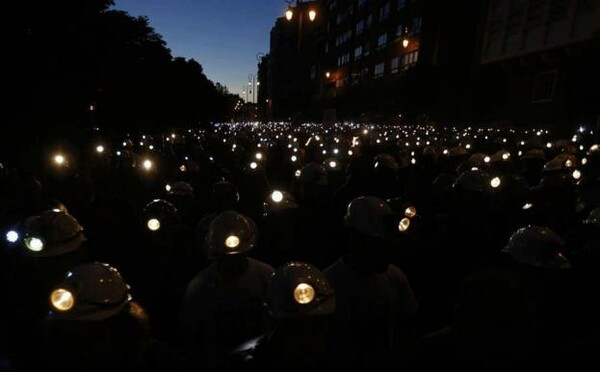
<point x="224" y="36"/>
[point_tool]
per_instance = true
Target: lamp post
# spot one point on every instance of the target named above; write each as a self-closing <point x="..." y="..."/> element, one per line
<point x="290" y="12"/>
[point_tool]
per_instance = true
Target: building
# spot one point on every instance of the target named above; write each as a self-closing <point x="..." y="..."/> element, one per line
<point x="295" y="62"/>
<point x="517" y="62"/>
<point x="539" y="63"/>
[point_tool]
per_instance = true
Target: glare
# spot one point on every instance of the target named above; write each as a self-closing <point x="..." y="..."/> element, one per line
<point x="332" y="164"/>
<point x="259" y="156"/>
<point x="527" y="206"/>
<point x="576" y="174"/>
<point x="486" y="159"/>
<point x="312" y="15"/>
<point x="168" y="187"/>
<point x="505" y="156"/>
<point x="100" y="149"/>
<point x="232" y="241"/>
<point x="153" y="224"/>
<point x="304" y="293"/>
<point x="277" y="196"/>
<point x="12" y="236"/>
<point x="183" y="168"/>
<point x="568" y="163"/>
<point x="253" y="165"/>
<point x="62" y="299"/>
<point x="404" y="224"/>
<point x="495" y="182"/>
<point x="294" y="158"/>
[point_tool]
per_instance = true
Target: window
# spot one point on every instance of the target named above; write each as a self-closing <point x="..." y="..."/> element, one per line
<point x="360" y="26"/>
<point x="401" y="4"/>
<point x="384" y="11"/>
<point x="365" y="73"/>
<point x="416" y="26"/>
<point x="343" y="59"/>
<point x="378" y="70"/>
<point x="369" y="21"/>
<point x="410" y="59"/>
<point x="543" y="88"/>
<point x="394" y="64"/>
<point x="381" y="41"/>
<point x="400" y="30"/>
<point x="366" y="50"/>
<point x="360" y="4"/>
<point x="313" y="71"/>
<point x="341" y="39"/>
<point x="358" y="52"/>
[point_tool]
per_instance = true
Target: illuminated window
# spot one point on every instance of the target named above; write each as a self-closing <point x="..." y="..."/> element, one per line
<point x="410" y="59"/>
<point x="401" y="4"/>
<point x="361" y="4"/>
<point x="384" y="12"/>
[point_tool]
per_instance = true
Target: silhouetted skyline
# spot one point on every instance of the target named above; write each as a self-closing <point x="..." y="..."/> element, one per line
<point x="224" y="36"/>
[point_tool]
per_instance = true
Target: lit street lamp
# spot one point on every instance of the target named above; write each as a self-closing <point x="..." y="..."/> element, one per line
<point x="289" y="14"/>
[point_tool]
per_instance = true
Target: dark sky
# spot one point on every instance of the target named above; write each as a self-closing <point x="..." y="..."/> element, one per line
<point x="224" y="36"/>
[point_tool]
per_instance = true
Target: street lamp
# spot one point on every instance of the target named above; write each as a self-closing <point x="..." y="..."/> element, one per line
<point x="289" y="13"/>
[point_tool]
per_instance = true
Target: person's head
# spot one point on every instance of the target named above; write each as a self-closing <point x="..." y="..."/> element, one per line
<point x="372" y="227"/>
<point x="159" y="216"/>
<point x="230" y="236"/>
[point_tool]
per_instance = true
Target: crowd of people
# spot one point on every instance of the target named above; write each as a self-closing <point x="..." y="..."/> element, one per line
<point x="262" y="246"/>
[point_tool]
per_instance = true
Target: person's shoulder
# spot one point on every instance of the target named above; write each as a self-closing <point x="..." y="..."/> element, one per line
<point x="261" y="267"/>
<point x="246" y="356"/>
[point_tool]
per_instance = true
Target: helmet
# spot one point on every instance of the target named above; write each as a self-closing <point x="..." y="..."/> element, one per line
<point x="473" y="180"/>
<point x="52" y="233"/>
<point x="279" y="201"/>
<point x="457" y="151"/>
<point x="369" y="215"/>
<point x="231" y="233"/>
<point x="158" y="214"/>
<point x="299" y="289"/>
<point x="537" y="246"/>
<point x="313" y="173"/>
<point x="477" y="160"/>
<point x="91" y="291"/>
<point x="182" y="189"/>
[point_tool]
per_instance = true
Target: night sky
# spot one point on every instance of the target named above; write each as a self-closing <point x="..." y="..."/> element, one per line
<point x="224" y="36"/>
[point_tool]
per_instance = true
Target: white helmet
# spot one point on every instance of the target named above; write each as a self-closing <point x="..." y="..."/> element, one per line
<point x="52" y="233"/>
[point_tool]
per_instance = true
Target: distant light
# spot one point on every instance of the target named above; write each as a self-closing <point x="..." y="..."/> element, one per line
<point x="173" y="135"/>
<point x="445" y="152"/>
<point x="584" y="161"/>
<point x="324" y="152"/>
<point x="468" y="146"/>
<point x="118" y="153"/>
<point x="327" y="74"/>
<point x="253" y="165"/>
<point x="312" y="15"/>
<point x="183" y="168"/>
<point x="413" y="161"/>
<point x="153" y="224"/>
<point x="568" y="163"/>
<point x="124" y="144"/>
<point x="576" y="174"/>
<point x="151" y="147"/>
<point x="350" y="152"/>
<point x="527" y="206"/>
<point x="405" y="43"/>
<point x="289" y="14"/>
<point x="581" y="129"/>
<point x="294" y="158"/>
<point x="277" y="196"/>
<point x="495" y="183"/>
<point x="410" y="212"/>
<point x="168" y="187"/>
<point x="335" y="151"/>
<point x="259" y="156"/>
<point x="332" y="164"/>
<point x="486" y="159"/>
<point x="12" y="236"/>
<point x="505" y="156"/>
<point x="100" y="149"/>
<point x="298" y="173"/>
<point x="549" y="145"/>
<point x="365" y="131"/>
